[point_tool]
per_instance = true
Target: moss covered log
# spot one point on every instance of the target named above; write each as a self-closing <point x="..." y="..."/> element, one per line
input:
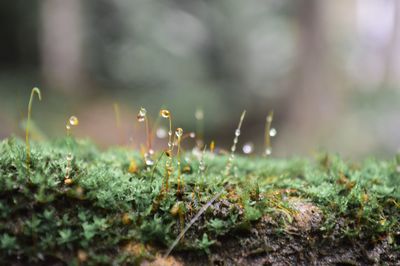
<point x="115" y="208"/>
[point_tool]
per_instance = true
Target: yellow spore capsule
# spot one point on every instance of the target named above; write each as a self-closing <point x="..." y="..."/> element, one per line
<point x="212" y="146"/>
<point x="165" y="113"/>
<point x="175" y="209"/>
<point x="72" y="121"/>
<point x="132" y="167"/>
<point x="126" y="219"/>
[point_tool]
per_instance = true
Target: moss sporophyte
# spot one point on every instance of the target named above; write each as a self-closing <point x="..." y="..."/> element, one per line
<point x="73" y="121"/>
<point x="81" y="205"/>
<point x="28" y="147"/>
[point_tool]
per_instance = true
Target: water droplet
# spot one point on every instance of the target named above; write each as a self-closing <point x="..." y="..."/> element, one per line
<point x="73" y="120"/>
<point x="179" y="132"/>
<point x="149" y="162"/>
<point x="268" y="151"/>
<point x="70" y="157"/>
<point x="151" y="151"/>
<point x="161" y="133"/>
<point x="237" y="132"/>
<point x="212" y="146"/>
<point x="141" y="117"/>
<point x="170" y="145"/>
<point x="169" y="133"/>
<point x="68" y="127"/>
<point x="199" y="114"/>
<point x="142" y="111"/>
<point x="248" y="148"/>
<point x="273" y="132"/>
<point x="192" y="135"/>
<point x="233" y="149"/>
<point x="165" y="113"/>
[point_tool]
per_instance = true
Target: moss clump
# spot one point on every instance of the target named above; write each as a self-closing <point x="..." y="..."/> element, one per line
<point x="111" y="215"/>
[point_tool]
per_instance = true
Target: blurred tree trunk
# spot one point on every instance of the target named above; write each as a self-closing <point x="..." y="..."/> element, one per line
<point x="392" y="52"/>
<point x="314" y="99"/>
<point x="61" y="44"/>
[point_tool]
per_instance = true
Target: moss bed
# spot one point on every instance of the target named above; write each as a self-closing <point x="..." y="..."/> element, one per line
<point x="323" y="211"/>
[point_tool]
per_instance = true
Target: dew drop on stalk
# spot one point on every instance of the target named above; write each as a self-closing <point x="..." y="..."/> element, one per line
<point x="149" y="162"/>
<point x="68" y="127"/>
<point x="273" y="132"/>
<point x="192" y="135"/>
<point x="268" y="151"/>
<point x="237" y="132"/>
<point x="248" y="148"/>
<point x="141" y="117"/>
<point x="179" y="132"/>
<point x="73" y="121"/>
<point x="70" y="157"/>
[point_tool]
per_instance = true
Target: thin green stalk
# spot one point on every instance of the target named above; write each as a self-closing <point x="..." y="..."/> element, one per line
<point x="28" y="147"/>
<point x="267" y="136"/>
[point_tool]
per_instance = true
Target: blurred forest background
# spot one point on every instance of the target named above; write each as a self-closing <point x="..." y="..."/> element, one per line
<point x="329" y="69"/>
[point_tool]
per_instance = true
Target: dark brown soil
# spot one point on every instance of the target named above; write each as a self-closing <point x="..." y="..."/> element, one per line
<point x="299" y="243"/>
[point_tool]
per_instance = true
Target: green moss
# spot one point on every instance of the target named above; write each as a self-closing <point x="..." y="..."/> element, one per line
<point x="106" y="208"/>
